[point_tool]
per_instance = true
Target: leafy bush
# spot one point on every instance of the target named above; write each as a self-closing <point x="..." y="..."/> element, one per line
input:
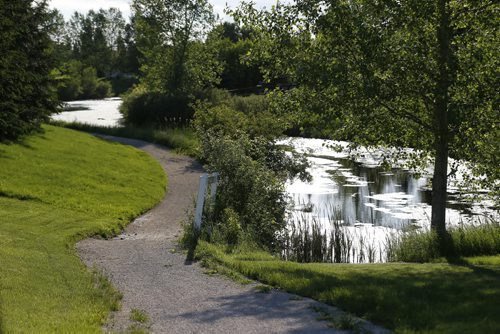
<point x="214" y="96"/>
<point x="246" y="186"/>
<point x="249" y="105"/>
<point x="228" y="231"/>
<point x="89" y="82"/>
<point x="252" y="169"/>
<point x="142" y="107"/>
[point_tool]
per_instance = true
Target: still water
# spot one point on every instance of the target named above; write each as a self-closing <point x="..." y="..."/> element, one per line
<point x="96" y="112"/>
<point x="364" y="194"/>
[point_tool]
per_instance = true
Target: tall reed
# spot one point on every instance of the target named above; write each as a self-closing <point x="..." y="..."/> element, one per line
<point x="308" y="239"/>
<point x="475" y="239"/>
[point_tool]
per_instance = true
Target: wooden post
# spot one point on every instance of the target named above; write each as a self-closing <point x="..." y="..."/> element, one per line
<point x="202" y="191"/>
<point x="201" y="201"/>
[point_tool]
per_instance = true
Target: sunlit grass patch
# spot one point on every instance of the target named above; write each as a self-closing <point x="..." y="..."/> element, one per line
<point x="57" y="188"/>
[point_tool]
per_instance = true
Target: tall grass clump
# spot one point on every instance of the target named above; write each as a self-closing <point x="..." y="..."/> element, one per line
<point x="464" y="240"/>
<point x="308" y="240"/>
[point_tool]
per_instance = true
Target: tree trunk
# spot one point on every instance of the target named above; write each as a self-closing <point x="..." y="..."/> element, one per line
<point x="440" y="178"/>
<point x="439" y="186"/>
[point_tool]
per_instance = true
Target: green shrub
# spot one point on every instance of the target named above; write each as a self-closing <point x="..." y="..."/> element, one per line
<point x="141" y="108"/>
<point x="103" y="89"/>
<point x="75" y="81"/>
<point x="69" y="88"/>
<point x="252" y="104"/>
<point x="214" y="96"/>
<point x="246" y="186"/>
<point x="226" y="120"/>
<point x="227" y="230"/>
<point x="252" y="168"/>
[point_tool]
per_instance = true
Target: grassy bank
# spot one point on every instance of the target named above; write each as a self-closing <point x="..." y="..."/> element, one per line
<point x="408" y="298"/>
<point x="57" y="188"/>
<point x="183" y="140"/>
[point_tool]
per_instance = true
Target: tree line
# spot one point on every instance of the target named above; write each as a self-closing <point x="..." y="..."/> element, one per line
<point x="102" y="53"/>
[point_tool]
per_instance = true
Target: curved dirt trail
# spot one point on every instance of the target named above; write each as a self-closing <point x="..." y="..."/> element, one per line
<point x="177" y="296"/>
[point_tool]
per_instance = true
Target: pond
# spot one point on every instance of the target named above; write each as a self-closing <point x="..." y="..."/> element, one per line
<point x="366" y="193"/>
<point x="96" y="112"/>
<point x="370" y="202"/>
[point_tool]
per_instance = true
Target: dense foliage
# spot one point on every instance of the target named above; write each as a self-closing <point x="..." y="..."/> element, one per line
<point x="74" y="82"/>
<point x="232" y="44"/>
<point x="169" y="36"/>
<point x="142" y="107"/>
<point x="25" y="62"/>
<point x="241" y="147"/>
<point x="400" y="74"/>
<point x="97" y="49"/>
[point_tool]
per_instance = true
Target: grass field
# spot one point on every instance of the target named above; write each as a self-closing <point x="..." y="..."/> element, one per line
<point x="408" y="298"/>
<point x="56" y="188"/>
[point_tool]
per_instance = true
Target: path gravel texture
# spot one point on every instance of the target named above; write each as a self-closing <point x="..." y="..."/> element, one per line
<point x="176" y="294"/>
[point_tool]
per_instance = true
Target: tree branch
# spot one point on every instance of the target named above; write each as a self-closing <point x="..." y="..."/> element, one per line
<point x="407" y="115"/>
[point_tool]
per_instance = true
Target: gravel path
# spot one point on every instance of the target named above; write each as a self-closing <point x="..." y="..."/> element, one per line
<point x="176" y="295"/>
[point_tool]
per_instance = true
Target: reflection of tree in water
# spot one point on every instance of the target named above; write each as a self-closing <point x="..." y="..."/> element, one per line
<point x="357" y="204"/>
<point x="370" y="195"/>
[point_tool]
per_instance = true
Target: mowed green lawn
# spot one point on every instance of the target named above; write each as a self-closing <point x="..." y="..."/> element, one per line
<point x="56" y="188"/>
<point x="405" y="297"/>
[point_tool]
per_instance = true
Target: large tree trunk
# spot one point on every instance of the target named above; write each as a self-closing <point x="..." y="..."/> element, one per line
<point x="439" y="186"/>
<point x="439" y="181"/>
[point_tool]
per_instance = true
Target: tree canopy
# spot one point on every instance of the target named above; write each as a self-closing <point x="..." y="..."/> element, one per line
<point x="169" y="37"/>
<point x="420" y="74"/>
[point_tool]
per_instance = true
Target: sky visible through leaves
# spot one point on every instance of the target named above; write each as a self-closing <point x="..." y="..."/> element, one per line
<point x="68" y="7"/>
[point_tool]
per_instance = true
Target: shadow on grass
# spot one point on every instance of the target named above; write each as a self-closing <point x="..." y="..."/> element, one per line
<point x="428" y="297"/>
<point x="479" y="269"/>
<point x="19" y="197"/>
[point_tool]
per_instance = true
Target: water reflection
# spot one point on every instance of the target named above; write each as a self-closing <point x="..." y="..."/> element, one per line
<point x="364" y="194"/>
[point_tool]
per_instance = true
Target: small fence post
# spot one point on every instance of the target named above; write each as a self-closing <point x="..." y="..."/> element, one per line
<point x="201" y="201"/>
<point x="202" y="192"/>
